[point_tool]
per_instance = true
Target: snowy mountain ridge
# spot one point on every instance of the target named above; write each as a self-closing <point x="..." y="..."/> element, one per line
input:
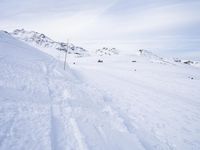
<point x="157" y="59"/>
<point x="118" y="104"/>
<point x="105" y="51"/>
<point x="148" y="54"/>
<point x="43" y="106"/>
<point x="40" y="40"/>
<point x="46" y="44"/>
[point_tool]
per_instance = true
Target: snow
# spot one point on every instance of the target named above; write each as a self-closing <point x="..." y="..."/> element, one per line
<point x="107" y="51"/>
<point x="43" y="107"/>
<point x="158" y="102"/>
<point x="44" y="43"/>
<point x="126" y="102"/>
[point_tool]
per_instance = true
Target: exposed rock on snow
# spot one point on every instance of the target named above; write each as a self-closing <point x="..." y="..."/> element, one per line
<point x="44" y="107"/>
<point x="40" y="40"/>
<point x="113" y="105"/>
<point x="192" y="63"/>
<point x="152" y="57"/>
<point x="148" y="54"/>
<point x="188" y="62"/>
<point x="107" y="51"/>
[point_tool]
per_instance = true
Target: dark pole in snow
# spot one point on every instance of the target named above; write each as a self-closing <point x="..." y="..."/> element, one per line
<point x="66" y="54"/>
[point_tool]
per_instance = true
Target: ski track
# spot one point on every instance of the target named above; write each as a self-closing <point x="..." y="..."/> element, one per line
<point x="61" y="123"/>
<point x="154" y="135"/>
<point x="58" y="118"/>
<point x="56" y="126"/>
<point x="11" y="123"/>
<point x="70" y="129"/>
<point x="44" y="107"/>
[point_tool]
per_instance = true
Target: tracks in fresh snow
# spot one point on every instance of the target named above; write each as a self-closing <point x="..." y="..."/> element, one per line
<point x="65" y="133"/>
<point x="123" y="119"/>
<point x="8" y="129"/>
<point x="57" y="128"/>
<point x="73" y="115"/>
<point x="81" y="119"/>
<point x="57" y="137"/>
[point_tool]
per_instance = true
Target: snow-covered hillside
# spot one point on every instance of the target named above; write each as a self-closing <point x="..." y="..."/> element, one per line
<point x="43" y="42"/>
<point x="158" y="102"/>
<point x="150" y="55"/>
<point x="126" y="102"/>
<point x="44" y="107"/>
<point x="192" y="63"/>
<point x="106" y="51"/>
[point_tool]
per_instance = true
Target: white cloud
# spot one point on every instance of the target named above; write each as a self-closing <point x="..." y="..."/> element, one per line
<point x="140" y="22"/>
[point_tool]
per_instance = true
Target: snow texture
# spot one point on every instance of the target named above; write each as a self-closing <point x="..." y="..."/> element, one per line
<point x="43" y="42"/>
<point x="127" y="102"/>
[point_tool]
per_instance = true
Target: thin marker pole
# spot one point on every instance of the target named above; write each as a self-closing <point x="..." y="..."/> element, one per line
<point x="66" y="54"/>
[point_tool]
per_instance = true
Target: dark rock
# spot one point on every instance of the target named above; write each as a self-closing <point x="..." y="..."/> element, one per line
<point x="188" y="62"/>
<point x="100" y="61"/>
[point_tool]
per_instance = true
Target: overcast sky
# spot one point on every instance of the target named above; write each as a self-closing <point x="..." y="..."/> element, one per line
<point x="163" y="26"/>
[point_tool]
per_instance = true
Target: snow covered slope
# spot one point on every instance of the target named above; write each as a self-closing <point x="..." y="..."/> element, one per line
<point x="126" y="102"/>
<point x="44" y="107"/>
<point x="46" y="44"/>
<point x="26" y="98"/>
<point x="158" y="102"/>
<point x="192" y="63"/>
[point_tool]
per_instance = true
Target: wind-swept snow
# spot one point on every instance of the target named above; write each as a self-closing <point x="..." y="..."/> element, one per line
<point x="125" y="102"/>
<point x="157" y="102"/>
<point x="43" y="107"/>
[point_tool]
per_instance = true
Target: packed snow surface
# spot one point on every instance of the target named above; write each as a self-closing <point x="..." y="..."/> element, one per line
<point x="126" y="102"/>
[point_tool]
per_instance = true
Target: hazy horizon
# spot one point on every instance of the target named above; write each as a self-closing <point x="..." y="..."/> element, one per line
<point x="167" y="28"/>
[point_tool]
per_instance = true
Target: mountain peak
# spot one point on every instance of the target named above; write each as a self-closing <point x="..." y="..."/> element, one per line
<point x="41" y="41"/>
<point x="148" y="54"/>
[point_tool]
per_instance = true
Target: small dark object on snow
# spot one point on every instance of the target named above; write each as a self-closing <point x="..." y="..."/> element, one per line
<point x="133" y="60"/>
<point x="191" y="78"/>
<point x="177" y="60"/>
<point x="141" y="51"/>
<point x="74" y="63"/>
<point x="135" y="70"/>
<point x="100" y="61"/>
<point x="188" y="62"/>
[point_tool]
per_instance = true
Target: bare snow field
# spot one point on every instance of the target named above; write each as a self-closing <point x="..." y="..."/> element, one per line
<point x="125" y="102"/>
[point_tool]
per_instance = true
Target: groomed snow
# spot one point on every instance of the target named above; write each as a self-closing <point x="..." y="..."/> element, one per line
<point x="114" y="105"/>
